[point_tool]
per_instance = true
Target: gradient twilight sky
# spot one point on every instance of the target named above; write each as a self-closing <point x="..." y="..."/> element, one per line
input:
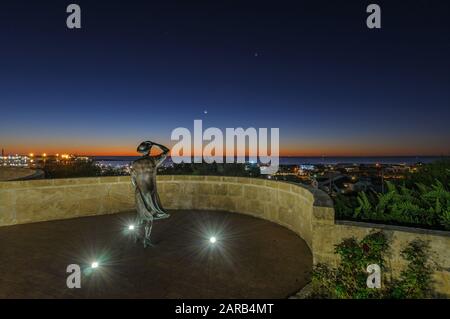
<point x="138" y="69"/>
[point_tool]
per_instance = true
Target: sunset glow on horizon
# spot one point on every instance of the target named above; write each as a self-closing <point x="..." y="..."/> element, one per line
<point x="318" y="152"/>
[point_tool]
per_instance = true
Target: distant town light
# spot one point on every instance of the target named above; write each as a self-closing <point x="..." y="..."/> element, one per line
<point x="44" y="155"/>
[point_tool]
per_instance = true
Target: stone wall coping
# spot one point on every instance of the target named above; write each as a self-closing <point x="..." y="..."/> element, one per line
<point x="407" y="229"/>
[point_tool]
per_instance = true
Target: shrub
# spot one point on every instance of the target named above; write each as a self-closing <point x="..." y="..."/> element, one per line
<point x="415" y="280"/>
<point x="430" y="173"/>
<point x="423" y="205"/>
<point x="349" y="279"/>
<point x="423" y="199"/>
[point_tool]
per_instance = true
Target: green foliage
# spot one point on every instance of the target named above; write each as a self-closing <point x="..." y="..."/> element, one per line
<point x="422" y="205"/>
<point x="415" y="280"/>
<point x="430" y="173"/>
<point x="344" y="206"/>
<point x="364" y="206"/>
<point x="423" y="199"/>
<point x="349" y="279"/>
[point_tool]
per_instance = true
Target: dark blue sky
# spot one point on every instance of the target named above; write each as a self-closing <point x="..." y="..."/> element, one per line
<point x="138" y="69"/>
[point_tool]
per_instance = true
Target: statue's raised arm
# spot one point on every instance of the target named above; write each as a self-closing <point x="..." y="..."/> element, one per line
<point x="161" y="157"/>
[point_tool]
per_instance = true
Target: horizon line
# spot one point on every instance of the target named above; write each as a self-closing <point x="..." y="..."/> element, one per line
<point x="138" y="155"/>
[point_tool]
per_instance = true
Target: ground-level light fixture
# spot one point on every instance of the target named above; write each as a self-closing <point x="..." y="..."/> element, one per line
<point x="130" y="227"/>
<point x="94" y="265"/>
<point x="212" y="240"/>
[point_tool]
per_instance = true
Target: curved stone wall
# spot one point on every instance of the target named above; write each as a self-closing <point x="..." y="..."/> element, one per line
<point x="307" y="212"/>
<point x="285" y="204"/>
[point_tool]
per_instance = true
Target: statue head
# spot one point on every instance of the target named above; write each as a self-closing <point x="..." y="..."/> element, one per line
<point x="145" y="147"/>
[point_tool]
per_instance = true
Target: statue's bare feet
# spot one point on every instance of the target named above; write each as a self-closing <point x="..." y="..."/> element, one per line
<point x="161" y="215"/>
<point x="147" y="243"/>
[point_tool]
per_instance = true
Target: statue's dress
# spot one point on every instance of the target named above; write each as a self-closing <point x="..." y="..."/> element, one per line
<point x="143" y="176"/>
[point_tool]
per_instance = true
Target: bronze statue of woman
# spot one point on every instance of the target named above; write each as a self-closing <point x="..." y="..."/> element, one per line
<point x="143" y="177"/>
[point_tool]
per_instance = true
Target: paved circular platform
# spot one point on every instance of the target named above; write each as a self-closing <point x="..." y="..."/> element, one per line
<point x="252" y="258"/>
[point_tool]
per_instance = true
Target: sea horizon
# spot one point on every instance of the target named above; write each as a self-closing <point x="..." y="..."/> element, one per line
<point x="299" y="160"/>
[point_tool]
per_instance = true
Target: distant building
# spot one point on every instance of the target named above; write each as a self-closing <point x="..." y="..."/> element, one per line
<point x="14" y="161"/>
